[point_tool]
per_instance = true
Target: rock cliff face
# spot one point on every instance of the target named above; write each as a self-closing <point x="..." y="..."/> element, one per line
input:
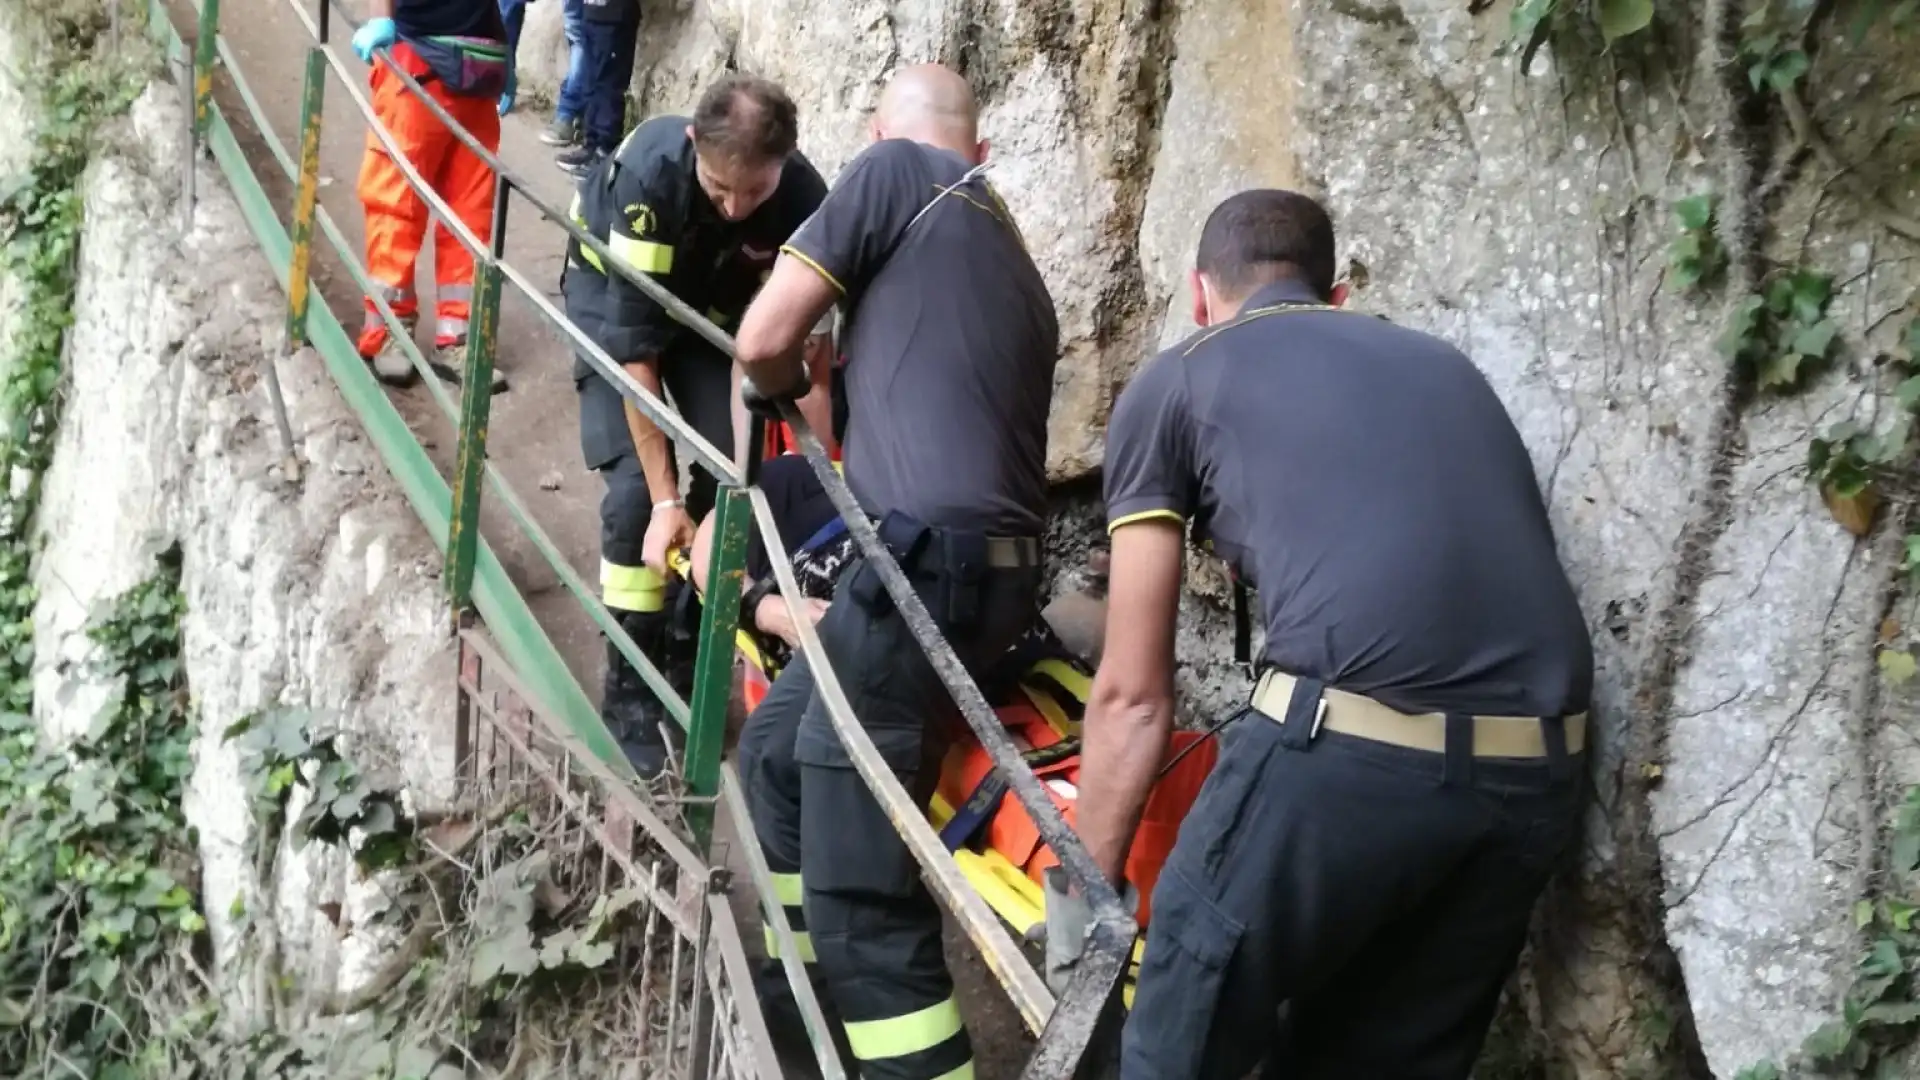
<point x="321" y="595"/>
<point x="1747" y="754"/>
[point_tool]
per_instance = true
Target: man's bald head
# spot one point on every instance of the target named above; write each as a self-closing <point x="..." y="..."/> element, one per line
<point x="932" y="104"/>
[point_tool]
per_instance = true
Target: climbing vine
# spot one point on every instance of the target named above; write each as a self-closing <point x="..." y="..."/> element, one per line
<point x="502" y="950"/>
<point x="99" y="929"/>
<point x="39" y="242"/>
<point x="1780" y="332"/>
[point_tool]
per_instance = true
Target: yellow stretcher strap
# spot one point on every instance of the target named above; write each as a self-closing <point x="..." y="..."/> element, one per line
<point x="1070" y="680"/>
<point x="899" y="1036"/>
<point x="631" y="588"/>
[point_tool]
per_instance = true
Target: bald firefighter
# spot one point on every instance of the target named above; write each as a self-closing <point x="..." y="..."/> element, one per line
<point x="950" y="343"/>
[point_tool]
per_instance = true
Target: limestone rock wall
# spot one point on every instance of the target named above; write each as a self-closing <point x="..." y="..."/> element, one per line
<point x="321" y="594"/>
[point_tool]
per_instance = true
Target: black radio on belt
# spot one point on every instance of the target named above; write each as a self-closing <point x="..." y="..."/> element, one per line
<point x="965" y="556"/>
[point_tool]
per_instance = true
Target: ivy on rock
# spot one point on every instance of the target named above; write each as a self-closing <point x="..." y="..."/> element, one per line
<point x="100" y="934"/>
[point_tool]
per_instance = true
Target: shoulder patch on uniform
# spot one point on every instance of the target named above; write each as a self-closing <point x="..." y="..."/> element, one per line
<point x="640" y="218"/>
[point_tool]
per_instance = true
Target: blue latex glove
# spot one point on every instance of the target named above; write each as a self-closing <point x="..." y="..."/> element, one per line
<point x="374" y="34"/>
<point x="507" y="95"/>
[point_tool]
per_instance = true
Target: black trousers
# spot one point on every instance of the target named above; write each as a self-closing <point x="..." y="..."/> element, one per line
<point x="871" y="926"/>
<point x="610" y="49"/>
<point x="1380" y="895"/>
<point x="699" y="382"/>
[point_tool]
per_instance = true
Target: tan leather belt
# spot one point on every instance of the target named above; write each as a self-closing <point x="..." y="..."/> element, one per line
<point x="1012" y="552"/>
<point x="1351" y="714"/>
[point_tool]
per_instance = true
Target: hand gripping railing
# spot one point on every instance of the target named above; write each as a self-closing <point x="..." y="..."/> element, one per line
<point x="1069" y="1028"/>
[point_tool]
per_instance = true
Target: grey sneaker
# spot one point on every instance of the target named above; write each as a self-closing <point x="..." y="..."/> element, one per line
<point x="580" y="160"/>
<point x="561" y="132"/>
<point x="390" y="364"/>
<point x="450" y="363"/>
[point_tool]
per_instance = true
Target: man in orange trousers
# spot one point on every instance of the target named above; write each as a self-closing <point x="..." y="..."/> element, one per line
<point x="456" y="51"/>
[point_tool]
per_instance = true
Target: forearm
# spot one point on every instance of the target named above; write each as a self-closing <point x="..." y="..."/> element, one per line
<point x="650" y="444"/>
<point x="1125" y="741"/>
<point x="817" y="406"/>
<point x="776" y="372"/>
<point x="379" y="9"/>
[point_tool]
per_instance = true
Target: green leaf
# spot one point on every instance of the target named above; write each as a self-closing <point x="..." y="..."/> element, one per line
<point x="1862" y="914"/>
<point x="508" y="953"/>
<point x="1896" y="666"/>
<point x="590" y="954"/>
<point x="1906" y="852"/>
<point x="1815" y="339"/>
<point x="1890" y="1014"/>
<point x="1738" y="337"/>
<point x="1900" y="914"/>
<point x="1883" y="959"/>
<point x="1620" y="18"/>
<point x="1828" y="1042"/>
<point x="1785" y="70"/>
<point x="1765" y="1070"/>
<point x="1694" y="212"/>
<point x="1781" y="370"/>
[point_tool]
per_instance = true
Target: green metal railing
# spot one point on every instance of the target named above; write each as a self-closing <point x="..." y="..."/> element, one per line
<point x="477" y="585"/>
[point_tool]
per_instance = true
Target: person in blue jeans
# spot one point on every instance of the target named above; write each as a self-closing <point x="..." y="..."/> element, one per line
<point x="612" y="30"/>
<point x="570" y="109"/>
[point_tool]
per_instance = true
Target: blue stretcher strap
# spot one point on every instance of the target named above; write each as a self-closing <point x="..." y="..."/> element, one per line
<point x="825" y="533"/>
<point x="969" y="816"/>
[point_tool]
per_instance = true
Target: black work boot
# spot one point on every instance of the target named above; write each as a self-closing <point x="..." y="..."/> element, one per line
<point x="628" y="706"/>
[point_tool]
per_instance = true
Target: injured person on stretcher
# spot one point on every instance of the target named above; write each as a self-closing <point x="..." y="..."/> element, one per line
<point x="1038" y="692"/>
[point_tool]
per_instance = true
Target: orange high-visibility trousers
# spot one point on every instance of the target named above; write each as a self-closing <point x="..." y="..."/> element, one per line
<point x="397" y="216"/>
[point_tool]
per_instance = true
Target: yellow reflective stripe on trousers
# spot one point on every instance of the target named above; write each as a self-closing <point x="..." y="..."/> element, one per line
<point x="903" y="1035"/>
<point x="964" y="1072"/>
<point x="787" y="889"/>
<point x="643" y="255"/>
<point x="802" y="944"/>
<point x="631" y="588"/>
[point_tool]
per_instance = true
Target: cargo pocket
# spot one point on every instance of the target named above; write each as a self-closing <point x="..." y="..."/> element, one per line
<point x="1182" y="975"/>
<point x="864" y="651"/>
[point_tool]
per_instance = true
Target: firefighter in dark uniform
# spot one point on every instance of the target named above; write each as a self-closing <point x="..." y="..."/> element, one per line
<point x="1410" y="769"/>
<point x="702" y="206"/>
<point x="950" y="342"/>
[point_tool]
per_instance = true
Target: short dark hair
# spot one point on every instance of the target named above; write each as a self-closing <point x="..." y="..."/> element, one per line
<point x="747" y="118"/>
<point x="1266" y="234"/>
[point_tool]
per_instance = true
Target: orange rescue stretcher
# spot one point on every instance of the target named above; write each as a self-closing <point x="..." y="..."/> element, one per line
<point x="1002" y="856"/>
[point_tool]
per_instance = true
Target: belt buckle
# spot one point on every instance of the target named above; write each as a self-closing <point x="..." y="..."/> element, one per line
<point x="1319" y="718"/>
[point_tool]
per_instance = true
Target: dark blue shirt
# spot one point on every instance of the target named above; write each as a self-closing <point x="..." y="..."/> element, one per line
<point x="418" y="19"/>
<point x="950" y="339"/>
<point x="1368" y="481"/>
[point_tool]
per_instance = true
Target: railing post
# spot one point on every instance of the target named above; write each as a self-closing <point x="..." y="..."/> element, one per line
<point x="306" y="198"/>
<point x="713" y="664"/>
<point x="200" y="97"/>
<point x="476" y="398"/>
<point x="299" y="278"/>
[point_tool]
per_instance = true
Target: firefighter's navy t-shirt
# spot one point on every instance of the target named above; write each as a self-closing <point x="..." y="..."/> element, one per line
<point x="415" y="19"/>
<point x="950" y="339"/>
<point x="1367" y="480"/>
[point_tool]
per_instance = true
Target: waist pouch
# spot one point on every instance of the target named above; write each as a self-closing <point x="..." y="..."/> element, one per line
<point x="947" y="566"/>
<point x="467" y="66"/>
